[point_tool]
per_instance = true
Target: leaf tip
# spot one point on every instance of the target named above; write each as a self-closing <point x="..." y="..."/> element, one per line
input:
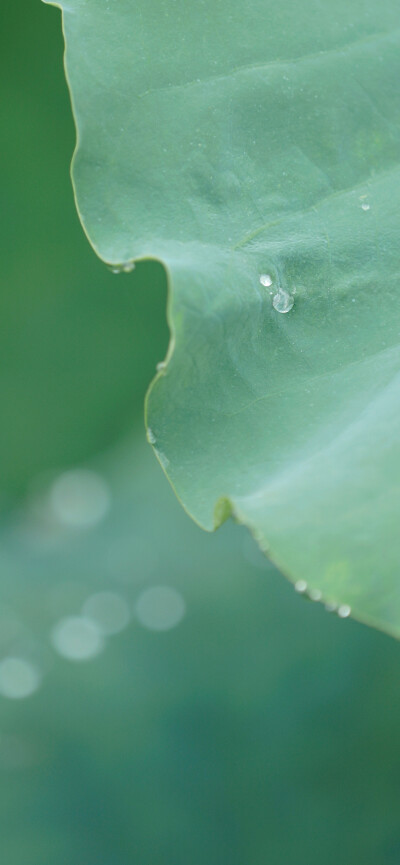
<point x="222" y="511"/>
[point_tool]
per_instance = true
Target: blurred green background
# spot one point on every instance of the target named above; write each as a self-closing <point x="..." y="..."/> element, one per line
<point x="165" y="696"/>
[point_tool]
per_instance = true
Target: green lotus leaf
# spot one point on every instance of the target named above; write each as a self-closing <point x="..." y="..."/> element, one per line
<point x="253" y="148"/>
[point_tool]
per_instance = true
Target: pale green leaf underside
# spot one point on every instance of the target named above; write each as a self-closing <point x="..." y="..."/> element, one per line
<point x="230" y="139"/>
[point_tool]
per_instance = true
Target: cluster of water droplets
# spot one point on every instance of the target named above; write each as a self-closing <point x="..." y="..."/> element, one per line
<point x="342" y="610"/>
<point x="150" y="436"/>
<point x="282" y="300"/>
<point x="126" y="267"/>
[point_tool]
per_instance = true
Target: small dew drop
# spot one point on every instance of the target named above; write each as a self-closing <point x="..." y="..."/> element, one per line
<point x="253" y="554"/>
<point x="331" y="607"/>
<point x="150" y="436"/>
<point x="344" y="611"/>
<point x="160" y="366"/>
<point x="315" y="595"/>
<point x="163" y="458"/>
<point x="365" y="206"/>
<point x="300" y="586"/>
<point x="265" y="280"/>
<point x="282" y="301"/>
<point x="126" y="267"/>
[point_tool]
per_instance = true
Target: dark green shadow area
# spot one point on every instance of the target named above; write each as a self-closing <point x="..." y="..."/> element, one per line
<point x="78" y="344"/>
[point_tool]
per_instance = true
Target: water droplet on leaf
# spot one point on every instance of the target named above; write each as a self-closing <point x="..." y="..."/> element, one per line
<point x="126" y="267"/>
<point x="315" y="595"/>
<point x="300" y="586"/>
<point x="265" y="279"/>
<point x="344" y="611"/>
<point x="282" y="301"/>
<point x="331" y="607"/>
<point x="163" y="458"/>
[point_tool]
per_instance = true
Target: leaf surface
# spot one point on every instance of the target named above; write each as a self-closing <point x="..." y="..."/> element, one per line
<point x="231" y="141"/>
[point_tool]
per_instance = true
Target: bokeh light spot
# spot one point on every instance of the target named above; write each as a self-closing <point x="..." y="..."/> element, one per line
<point x="160" y="608"/>
<point x="77" y="638"/>
<point x="79" y="498"/>
<point x="18" y="678"/>
<point x="109" y="611"/>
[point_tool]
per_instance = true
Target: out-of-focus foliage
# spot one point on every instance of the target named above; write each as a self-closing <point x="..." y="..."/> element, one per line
<point x="78" y="345"/>
<point x="258" y="728"/>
